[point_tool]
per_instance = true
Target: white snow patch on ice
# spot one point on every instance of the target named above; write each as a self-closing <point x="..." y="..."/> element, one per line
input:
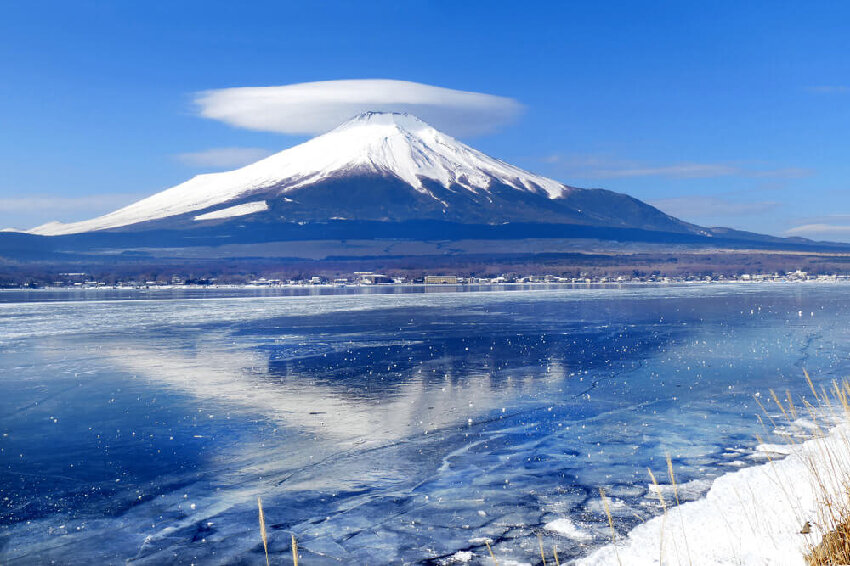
<point x="751" y="516"/>
<point x="564" y="526"/>
<point x="461" y="557"/>
<point x="686" y="491"/>
<point x="238" y="210"/>
<point x="778" y="449"/>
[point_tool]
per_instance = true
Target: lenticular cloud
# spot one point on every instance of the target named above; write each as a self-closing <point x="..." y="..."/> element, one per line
<point x="316" y="107"/>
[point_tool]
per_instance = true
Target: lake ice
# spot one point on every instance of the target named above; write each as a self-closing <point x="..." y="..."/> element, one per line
<point x="382" y="427"/>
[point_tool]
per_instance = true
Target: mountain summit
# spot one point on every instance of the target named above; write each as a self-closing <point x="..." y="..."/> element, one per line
<point x="377" y="167"/>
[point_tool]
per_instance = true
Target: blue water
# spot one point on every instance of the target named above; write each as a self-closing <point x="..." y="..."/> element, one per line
<point x="401" y="426"/>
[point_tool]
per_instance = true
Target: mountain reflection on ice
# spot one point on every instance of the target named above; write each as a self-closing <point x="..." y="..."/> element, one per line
<point x="382" y="428"/>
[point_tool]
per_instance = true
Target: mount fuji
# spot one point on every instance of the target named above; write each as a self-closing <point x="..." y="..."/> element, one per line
<point x="379" y="185"/>
<point x="382" y="167"/>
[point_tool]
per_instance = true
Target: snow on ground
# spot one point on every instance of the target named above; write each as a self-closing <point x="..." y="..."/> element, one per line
<point x="232" y="211"/>
<point x="752" y="516"/>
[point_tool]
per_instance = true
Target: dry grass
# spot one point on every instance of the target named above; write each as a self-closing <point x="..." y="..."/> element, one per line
<point x="831" y="470"/>
<point x="264" y="535"/>
<point x="490" y="550"/>
<point x="834" y="548"/>
<point x="607" y="508"/>
<point x="663" y="516"/>
<point x="542" y="553"/>
<point x="263" y="529"/>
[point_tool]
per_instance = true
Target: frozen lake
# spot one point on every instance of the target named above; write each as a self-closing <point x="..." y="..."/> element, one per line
<point x="398" y="426"/>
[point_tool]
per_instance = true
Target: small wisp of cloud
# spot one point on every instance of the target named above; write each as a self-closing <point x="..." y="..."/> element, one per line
<point x="693" y="207"/>
<point x="603" y="167"/>
<point x="679" y="170"/>
<point x="317" y="107"/>
<point x="823" y="227"/>
<point x="819" y="229"/>
<point x="37" y="209"/>
<point x="224" y="157"/>
<point x="829" y="227"/>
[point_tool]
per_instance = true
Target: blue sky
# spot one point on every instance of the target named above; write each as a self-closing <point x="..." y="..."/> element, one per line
<point x="723" y="113"/>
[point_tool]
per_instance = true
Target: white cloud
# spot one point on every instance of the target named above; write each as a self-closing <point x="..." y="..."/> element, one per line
<point x="223" y="157"/>
<point x="317" y="107"/>
<point x="679" y="170"/>
<point x="702" y="171"/>
<point x="825" y="219"/>
<point x="820" y="231"/>
<point x="823" y="227"/>
<point x="605" y="167"/>
<point x="703" y="207"/>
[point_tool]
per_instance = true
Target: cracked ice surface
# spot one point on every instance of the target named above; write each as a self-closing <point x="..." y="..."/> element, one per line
<point x="383" y="427"/>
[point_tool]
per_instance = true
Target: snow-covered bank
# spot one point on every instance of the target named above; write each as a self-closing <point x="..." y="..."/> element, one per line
<point x="752" y="516"/>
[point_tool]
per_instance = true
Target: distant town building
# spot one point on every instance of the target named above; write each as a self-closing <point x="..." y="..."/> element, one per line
<point x="441" y="280"/>
<point x="374" y="278"/>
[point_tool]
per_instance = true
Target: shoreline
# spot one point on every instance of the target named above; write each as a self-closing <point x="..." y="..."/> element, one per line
<point x="755" y="515"/>
<point x="531" y="285"/>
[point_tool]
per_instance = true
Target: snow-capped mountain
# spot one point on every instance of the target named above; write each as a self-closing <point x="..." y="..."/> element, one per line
<point x="376" y="167"/>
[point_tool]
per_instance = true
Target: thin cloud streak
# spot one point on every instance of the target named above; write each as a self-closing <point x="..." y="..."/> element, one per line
<point x="815" y="230"/>
<point x="30" y="211"/>
<point x="46" y="202"/>
<point x="224" y="157"/>
<point x="703" y="207"/>
<point x="317" y="107"/>
<point x="601" y="167"/>
<point x="825" y="219"/>
<point x="680" y="171"/>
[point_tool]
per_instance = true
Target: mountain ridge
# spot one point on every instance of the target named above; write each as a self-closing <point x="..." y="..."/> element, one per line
<point x="378" y="166"/>
<point x="374" y="143"/>
<point x="378" y="177"/>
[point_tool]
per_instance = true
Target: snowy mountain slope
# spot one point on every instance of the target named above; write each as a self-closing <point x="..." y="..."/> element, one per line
<point x="386" y="184"/>
<point x="234" y="211"/>
<point x="382" y="145"/>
